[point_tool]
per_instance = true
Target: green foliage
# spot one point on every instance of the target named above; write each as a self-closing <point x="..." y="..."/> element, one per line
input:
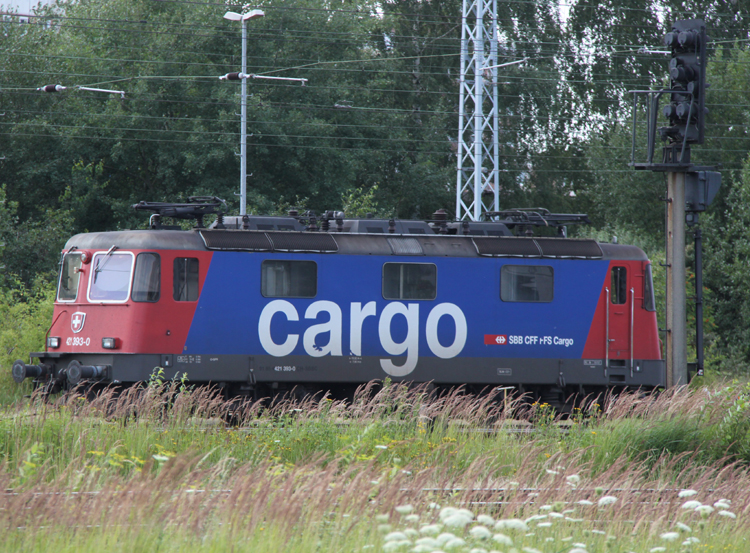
<point x="25" y="318"/>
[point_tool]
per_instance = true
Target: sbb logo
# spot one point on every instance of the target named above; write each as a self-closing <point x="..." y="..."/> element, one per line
<point x="495" y="339"/>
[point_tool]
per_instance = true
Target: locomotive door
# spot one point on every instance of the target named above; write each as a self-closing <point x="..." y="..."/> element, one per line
<point x="620" y="315"/>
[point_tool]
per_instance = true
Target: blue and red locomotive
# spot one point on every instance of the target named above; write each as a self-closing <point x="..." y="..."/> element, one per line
<point x="261" y="304"/>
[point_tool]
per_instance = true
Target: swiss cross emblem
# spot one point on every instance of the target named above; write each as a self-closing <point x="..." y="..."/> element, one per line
<point x="76" y="321"/>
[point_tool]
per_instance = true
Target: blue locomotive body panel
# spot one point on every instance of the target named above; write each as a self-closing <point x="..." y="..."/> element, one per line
<point x="233" y="318"/>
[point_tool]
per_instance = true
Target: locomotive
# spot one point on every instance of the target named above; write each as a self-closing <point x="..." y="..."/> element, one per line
<point x="260" y="305"/>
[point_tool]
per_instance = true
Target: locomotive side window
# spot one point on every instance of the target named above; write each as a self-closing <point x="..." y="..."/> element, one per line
<point x="69" y="276"/>
<point x="110" y="277"/>
<point x="289" y="279"/>
<point x="147" y="279"/>
<point x="619" y="285"/>
<point x="649" y="303"/>
<point x="185" y="279"/>
<point x="409" y="281"/>
<point x="527" y="283"/>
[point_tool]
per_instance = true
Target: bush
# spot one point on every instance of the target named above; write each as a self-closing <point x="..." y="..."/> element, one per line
<point x="25" y="317"/>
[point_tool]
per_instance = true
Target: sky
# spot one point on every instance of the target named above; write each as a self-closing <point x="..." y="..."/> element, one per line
<point x="22" y="6"/>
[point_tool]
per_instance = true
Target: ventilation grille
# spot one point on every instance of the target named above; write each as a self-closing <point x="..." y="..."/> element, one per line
<point x="240" y="240"/>
<point x="507" y="247"/>
<point x="302" y="242"/>
<point x="555" y="247"/>
<point x="244" y="240"/>
<point x="537" y="247"/>
<point x="405" y="246"/>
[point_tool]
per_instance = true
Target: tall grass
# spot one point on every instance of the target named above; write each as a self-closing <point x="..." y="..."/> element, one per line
<point x="157" y="470"/>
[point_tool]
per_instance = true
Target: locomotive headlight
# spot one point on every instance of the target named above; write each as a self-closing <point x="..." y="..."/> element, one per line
<point x="109" y="343"/>
<point x="53" y="342"/>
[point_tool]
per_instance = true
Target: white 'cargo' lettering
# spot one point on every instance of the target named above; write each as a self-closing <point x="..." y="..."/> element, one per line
<point x="357" y="315"/>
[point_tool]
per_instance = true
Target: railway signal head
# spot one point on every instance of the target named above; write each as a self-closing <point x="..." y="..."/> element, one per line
<point x="687" y="75"/>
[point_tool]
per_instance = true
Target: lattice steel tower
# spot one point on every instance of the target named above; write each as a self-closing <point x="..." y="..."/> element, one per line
<point x="478" y="147"/>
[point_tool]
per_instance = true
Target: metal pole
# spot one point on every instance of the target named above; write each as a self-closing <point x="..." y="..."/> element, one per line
<point x="698" y="299"/>
<point x="243" y="125"/>
<point x="676" y="295"/>
<point x="478" y="108"/>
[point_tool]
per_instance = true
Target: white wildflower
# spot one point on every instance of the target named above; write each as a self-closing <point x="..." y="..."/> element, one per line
<point x="404" y="509"/>
<point x="544" y="525"/>
<point x="607" y="500"/>
<point x="568" y="511"/>
<point x="503" y="539"/>
<point x="545" y="508"/>
<point x="570" y="519"/>
<point x="486" y="520"/>
<point x="433" y="505"/>
<point x="722" y="504"/>
<point x="556" y="515"/>
<point x="411" y="533"/>
<point x="683" y="527"/>
<point x="444" y="538"/>
<point x="534" y="517"/>
<point x="446" y="512"/>
<point x="384" y="528"/>
<point x="429" y="542"/>
<point x="551" y="471"/>
<point x="657" y="549"/>
<point x="578" y="550"/>
<point x="477" y="550"/>
<point x="692" y="504"/>
<point x="585" y="502"/>
<point x="691" y="540"/>
<point x="422" y="549"/>
<point x="512" y="524"/>
<point x="467" y="513"/>
<point x="381" y="446"/>
<point x="455" y="542"/>
<point x="728" y="514"/>
<point x="431" y="529"/>
<point x="704" y="510"/>
<point x="459" y="520"/>
<point x="531" y="550"/>
<point x="581" y="545"/>
<point x="411" y="518"/>
<point x="573" y="479"/>
<point x="687" y="493"/>
<point x="670" y="536"/>
<point x="393" y="545"/>
<point x="381" y="518"/>
<point x="549" y="540"/>
<point x="480" y="533"/>
<point x="395" y="536"/>
<point x="598" y="532"/>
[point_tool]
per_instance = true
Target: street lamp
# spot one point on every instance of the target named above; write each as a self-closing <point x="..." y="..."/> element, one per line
<point x="232" y="16"/>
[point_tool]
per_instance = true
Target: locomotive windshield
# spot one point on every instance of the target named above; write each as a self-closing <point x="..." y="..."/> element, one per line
<point x="110" y="277"/>
<point x="69" y="277"/>
<point x="649" y="303"/>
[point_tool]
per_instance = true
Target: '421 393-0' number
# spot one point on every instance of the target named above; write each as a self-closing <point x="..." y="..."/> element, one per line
<point x="78" y="341"/>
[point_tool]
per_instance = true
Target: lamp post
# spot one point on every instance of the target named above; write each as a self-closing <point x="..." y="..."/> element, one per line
<point x="232" y="16"/>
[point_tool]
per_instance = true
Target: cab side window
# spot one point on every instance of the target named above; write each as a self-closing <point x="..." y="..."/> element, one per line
<point x="185" y="279"/>
<point x="527" y="283"/>
<point x="619" y="293"/>
<point x="289" y="279"/>
<point x="147" y="278"/>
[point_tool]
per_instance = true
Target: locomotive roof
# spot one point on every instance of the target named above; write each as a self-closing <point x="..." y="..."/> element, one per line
<point x="430" y="245"/>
